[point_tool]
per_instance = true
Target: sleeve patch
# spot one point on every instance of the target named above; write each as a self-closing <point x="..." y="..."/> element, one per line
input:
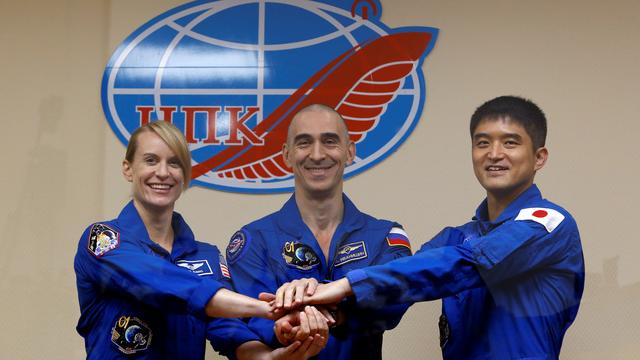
<point x="398" y="237"/>
<point x="237" y="244"/>
<point x="224" y="269"/>
<point x="102" y="239"/>
<point x="549" y="218"/>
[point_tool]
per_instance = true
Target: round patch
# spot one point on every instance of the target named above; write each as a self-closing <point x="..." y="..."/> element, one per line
<point x="236" y="244"/>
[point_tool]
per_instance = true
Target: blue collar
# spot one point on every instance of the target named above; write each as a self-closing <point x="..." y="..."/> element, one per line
<point x="131" y="222"/>
<point x="290" y="221"/>
<point x="511" y="211"/>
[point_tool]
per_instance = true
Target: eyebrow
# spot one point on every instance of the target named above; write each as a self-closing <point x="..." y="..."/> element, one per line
<point x="504" y="136"/>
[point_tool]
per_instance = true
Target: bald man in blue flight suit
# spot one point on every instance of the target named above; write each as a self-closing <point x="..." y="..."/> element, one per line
<point x="319" y="234"/>
<point x="511" y="280"/>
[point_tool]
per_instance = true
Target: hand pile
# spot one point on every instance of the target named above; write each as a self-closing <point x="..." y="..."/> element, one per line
<point x="297" y="322"/>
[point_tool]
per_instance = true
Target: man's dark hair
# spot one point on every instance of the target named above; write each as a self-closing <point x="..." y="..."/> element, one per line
<point x="520" y="110"/>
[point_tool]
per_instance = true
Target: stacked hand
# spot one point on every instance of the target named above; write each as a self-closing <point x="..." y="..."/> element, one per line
<point x="307" y="292"/>
<point x="304" y="330"/>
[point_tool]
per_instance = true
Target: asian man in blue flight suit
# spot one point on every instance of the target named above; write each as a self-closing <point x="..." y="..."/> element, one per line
<point x="510" y="280"/>
<point x="318" y="234"/>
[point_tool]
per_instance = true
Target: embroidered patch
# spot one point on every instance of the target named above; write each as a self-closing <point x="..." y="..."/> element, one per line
<point x="102" y="239"/>
<point x="236" y="244"/>
<point x="549" y="218"/>
<point x="224" y="269"/>
<point x="131" y="335"/>
<point x="198" y="267"/>
<point x="299" y="255"/>
<point x="397" y="237"/>
<point x="350" y="252"/>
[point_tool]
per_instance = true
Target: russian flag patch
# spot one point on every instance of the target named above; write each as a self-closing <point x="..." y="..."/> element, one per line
<point x="397" y="237"/>
<point x="549" y="218"/>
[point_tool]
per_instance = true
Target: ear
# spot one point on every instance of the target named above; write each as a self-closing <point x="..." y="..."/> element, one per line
<point x="285" y="155"/>
<point x="351" y="152"/>
<point x="541" y="157"/>
<point x="126" y="171"/>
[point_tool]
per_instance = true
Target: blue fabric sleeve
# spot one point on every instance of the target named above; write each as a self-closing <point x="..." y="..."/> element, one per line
<point x="226" y="335"/>
<point x="517" y="247"/>
<point x="372" y="321"/>
<point x="511" y="249"/>
<point x="128" y="270"/>
<point x="251" y="276"/>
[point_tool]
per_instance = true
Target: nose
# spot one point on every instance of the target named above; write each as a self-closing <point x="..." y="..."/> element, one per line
<point x="162" y="170"/>
<point x="495" y="152"/>
<point x="317" y="152"/>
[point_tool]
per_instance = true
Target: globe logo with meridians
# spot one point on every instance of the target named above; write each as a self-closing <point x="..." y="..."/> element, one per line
<point x="231" y="74"/>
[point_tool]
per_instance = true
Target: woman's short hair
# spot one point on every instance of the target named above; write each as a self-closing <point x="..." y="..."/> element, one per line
<point x="174" y="139"/>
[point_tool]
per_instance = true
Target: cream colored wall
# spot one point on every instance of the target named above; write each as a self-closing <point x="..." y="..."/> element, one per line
<point x="577" y="59"/>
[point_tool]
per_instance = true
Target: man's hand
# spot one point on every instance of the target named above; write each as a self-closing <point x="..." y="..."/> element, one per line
<point x="299" y="325"/>
<point x="290" y="295"/>
<point x="307" y="291"/>
<point x="300" y="350"/>
<point x="331" y="293"/>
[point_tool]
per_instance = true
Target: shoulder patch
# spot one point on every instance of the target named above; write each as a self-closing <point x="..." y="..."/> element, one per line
<point x="237" y="244"/>
<point x="549" y="218"/>
<point x="398" y="237"/>
<point x="224" y="269"/>
<point x="102" y="239"/>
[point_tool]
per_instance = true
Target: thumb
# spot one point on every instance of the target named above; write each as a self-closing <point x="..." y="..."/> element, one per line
<point x="264" y="296"/>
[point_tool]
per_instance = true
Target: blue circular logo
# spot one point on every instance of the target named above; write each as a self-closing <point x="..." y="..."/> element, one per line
<point x="231" y="75"/>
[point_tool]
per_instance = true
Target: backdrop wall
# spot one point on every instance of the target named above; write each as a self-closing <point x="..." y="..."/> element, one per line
<point x="576" y="59"/>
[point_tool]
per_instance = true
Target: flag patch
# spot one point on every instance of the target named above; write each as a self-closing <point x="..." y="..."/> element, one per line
<point x="224" y="269"/>
<point x="549" y="218"/>
<point x="398" y="237"/>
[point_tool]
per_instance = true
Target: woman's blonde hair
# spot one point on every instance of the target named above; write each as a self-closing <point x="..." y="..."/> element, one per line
<point x="174" y="139"/>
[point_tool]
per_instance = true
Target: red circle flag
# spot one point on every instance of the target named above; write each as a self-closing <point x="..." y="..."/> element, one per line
<point x="540" y="213"/>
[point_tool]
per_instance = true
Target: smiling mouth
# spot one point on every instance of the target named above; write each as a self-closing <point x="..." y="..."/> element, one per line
<point x="160" y="186"/>
<point x="496" y="169"/>
<point x="318" y="170"/>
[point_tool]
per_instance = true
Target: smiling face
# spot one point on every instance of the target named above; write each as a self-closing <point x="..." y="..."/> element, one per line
<point x="504" y="160"/>
<point x="318" y="149"/>
<point x="155" y="173"/>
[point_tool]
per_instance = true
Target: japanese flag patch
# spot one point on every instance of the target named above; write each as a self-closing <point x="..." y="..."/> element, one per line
<point x="549" y="218"/>
<point x="102" y="239"/>
<point x="397" y="237"/>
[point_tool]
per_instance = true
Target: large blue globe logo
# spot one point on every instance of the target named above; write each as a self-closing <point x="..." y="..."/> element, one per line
<point x="231" y="74"/>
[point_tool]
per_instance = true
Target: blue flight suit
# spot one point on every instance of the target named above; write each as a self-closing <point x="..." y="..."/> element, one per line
<point x="138" y="300"/>
<point x="280" y="248"/>
<point x="510" y="287"/>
